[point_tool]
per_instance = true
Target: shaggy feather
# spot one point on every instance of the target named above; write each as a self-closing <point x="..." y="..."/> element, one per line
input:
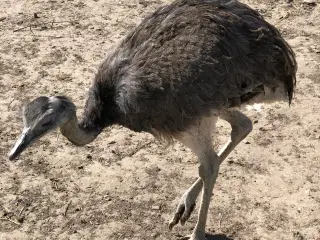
<point x="185" y="60"/>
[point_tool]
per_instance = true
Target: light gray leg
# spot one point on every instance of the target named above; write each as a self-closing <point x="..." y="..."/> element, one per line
<point x="198" y="139"/>
<point x="241" y="127"/>
<point x="186" y="204"/>
<point x="208" y="172"/>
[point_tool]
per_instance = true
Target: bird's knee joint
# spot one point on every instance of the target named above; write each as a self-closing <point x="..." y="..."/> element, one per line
<point x="207" y="172"/>
<point x="247" y="125"/>
<point x="201" y="172"/>
<point x="243" y="127"/>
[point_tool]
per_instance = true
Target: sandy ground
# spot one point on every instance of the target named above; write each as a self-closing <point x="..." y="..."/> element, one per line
<point x="125" y="185"/>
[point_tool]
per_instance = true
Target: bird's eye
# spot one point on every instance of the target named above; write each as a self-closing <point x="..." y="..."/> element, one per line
<point x="47" y="123"/>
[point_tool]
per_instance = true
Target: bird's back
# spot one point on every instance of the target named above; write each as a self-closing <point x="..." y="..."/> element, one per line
<point x="193" y="56"/>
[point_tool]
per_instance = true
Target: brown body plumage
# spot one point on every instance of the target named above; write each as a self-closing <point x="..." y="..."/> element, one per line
<point x="186" y="59"/>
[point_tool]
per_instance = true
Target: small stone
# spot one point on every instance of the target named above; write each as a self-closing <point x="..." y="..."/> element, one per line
<point x="263" y="129"/>
<point x="310" y="2"/>
<point x="255" y="121"/>
<point x="155" y="207"/>
<point x="83" y="221"/>
<point x="307" y="192"/>
<point x="15" y="105"/>
<point x="155" y="235"/>
<point x="298" y="236"/>
<point x="21" y="219"/>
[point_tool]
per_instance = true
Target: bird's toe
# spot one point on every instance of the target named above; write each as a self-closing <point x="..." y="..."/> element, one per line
<point x="191" y="237"/>
<point x="183" y="212"/>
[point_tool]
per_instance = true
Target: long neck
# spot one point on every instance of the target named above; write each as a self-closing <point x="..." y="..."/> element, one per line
<point x="94" y="118"/>
<point x="77" y="133"/>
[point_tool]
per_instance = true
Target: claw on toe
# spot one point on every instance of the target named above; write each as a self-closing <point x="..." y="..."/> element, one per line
<point x="191" y="237"/>
<point x="177" y="216"/>
<point x="185" y="238"/>
<point x="186" y="214"/>
<point x="182" y="214"/>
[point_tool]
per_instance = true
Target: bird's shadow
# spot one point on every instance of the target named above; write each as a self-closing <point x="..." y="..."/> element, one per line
<point x="217" y="237"/>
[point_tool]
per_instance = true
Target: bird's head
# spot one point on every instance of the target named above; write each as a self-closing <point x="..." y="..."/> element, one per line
<point x="40" y="117"/>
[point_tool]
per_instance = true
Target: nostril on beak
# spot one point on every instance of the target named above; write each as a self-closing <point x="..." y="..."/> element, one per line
<point x="13" y="155"/>
<point x="18" y="148"/>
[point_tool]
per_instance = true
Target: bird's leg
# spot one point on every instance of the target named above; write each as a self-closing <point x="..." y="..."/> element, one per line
<point x="198" y="139"/>
<point x="208" y="172"/>
<point x="186" y="204"/>
<point x="241" y="126"/>
<point x="209" y="168"/>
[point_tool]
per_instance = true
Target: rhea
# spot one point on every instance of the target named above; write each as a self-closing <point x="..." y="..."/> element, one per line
<point x="186" y="65"/>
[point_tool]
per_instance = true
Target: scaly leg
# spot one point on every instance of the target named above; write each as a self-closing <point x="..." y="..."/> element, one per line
<point x="241" y="127"/>
<point x="208" y="172"/>
<point x="198" y="139"/>
<point x="186" y="204"/>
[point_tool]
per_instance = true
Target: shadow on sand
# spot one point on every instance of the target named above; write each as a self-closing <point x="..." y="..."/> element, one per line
<point x="217" y="237"/>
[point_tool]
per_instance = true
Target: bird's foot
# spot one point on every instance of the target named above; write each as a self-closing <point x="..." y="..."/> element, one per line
<point x="192" y="237"/>
<point x="185" y="208"/>
<point x="185" y="238"/>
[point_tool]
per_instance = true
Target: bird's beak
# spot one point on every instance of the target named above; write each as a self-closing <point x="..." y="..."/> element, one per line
<point x="25" y="140"/>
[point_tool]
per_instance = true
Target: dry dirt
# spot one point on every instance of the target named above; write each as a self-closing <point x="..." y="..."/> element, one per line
<point x="126" y="185"/>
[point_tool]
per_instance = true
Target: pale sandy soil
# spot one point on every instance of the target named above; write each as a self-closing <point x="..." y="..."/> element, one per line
<point x="125" y="185"/>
